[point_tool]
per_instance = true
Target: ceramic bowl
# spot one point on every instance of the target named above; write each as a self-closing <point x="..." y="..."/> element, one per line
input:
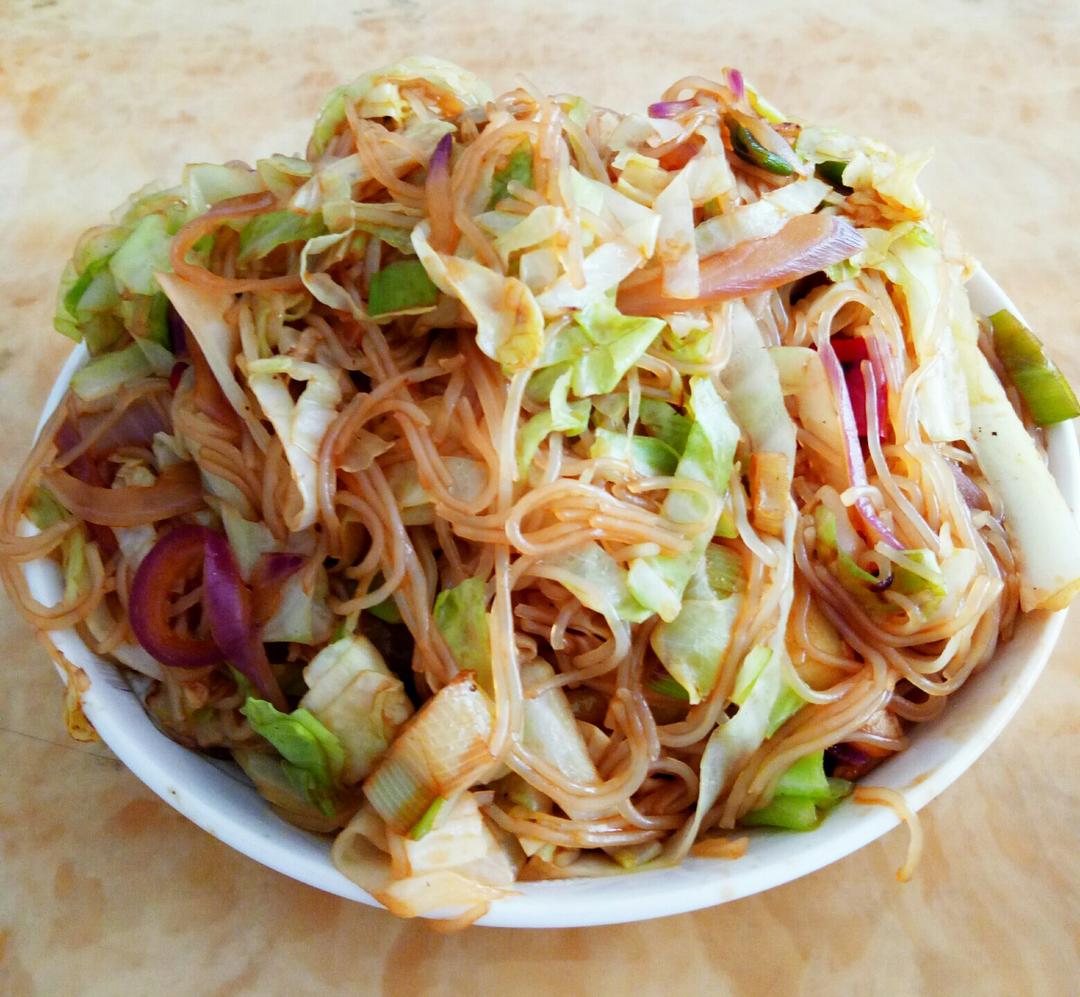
<point x="216" y="796"/>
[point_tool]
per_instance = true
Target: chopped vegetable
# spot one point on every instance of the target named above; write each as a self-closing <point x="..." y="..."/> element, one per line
<point x="401" y="288"/>
<point x="440" y="753"/>
<point x="770" y="479"/>
<point x="301" y="423"/>
<point x="832" y="171"/>
<point x="665" y="423"/>
<point x="600" y="347"/>
<point x="796" y="813"/>
<point x="312" y="757"/>
<point x="387" y="611"/>
<point x="551" y="732"/>
<point x="805" y="245"/>
<point x="265" y="233"/>
<point x="749" y="148"/>
<point x="460" y="615"/>
<point x="356" y="697"/>
<point x="724" y="570"/>
<point x="109" y="372"/>
<point x="1046" y="393"/>
<point x="658" y="582"/>
<point x="801" y="796"/>
<point x="427" y="822"/>
<point x="692" y="646"/>
<point x="518" y="169"/>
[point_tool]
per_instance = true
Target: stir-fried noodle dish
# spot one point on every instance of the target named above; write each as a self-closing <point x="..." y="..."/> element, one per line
<point x="519" y="489"/>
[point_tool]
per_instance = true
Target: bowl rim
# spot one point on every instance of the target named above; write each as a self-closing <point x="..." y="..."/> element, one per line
<point x="698" y="883"/>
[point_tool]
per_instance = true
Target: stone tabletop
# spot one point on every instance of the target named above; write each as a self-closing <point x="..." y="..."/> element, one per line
<point x="105" y="890"/>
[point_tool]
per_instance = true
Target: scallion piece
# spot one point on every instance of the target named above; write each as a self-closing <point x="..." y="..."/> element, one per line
<point x="832" y="172"/>
<point x="752" y="151"/>
<point x="806" y="778"/>
<point x="427" y="821"/>
<point x="796" y="813"/>
<point x="667" y="686"/>
<point x="1046" y="393"/>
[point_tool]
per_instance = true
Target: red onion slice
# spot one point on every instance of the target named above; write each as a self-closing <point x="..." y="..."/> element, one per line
<point x="440" y="201"/>
<point x="178" y="490"/>
<point x="669" y="108"/>
<point x="736" y="83"/>
<point x="805" y="245"/>
<point x="277" y="567"/>
<point x="176" y="557"/>
<point x="228" y="605"/>
<point x="853" y="446"/>
<point x="176" y="373"/>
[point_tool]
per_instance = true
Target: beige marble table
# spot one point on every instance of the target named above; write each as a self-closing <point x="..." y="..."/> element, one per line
<point x="105" y="890"/>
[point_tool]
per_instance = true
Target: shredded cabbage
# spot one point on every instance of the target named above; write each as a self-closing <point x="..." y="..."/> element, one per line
<point x="299" y="424"/>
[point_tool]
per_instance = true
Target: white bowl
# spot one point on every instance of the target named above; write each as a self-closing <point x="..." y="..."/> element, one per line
<point x="217" y="797"/>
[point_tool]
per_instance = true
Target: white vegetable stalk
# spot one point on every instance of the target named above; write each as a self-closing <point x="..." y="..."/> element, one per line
<point x="1036" y="515"/>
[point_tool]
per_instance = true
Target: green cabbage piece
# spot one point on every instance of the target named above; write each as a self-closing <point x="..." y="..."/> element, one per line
<point x="733" y="741"/>
<point x="461" y="617"/>
<point x="724" y="570"/>
<point x="106" y="374"/>
<point x="692" y="646"/>
<point x="387" y="610"/>
<point x="144" y="253"/>
<point x="658" y="582"/>
<point x="764" y="217"/>
<point x="316" y="257"/>
<point x="571" y="418"/>
<point x="301" y="423"/>
<point x="665" y="422"/>
<point x="358" y="699"/>
<point x="282" y="175"/>
<point x="509" y="323"/>
<point x="801" y="798"/>
<point x="302" y="615"/>
<point x="109" y="285"/>
<point x="595" y="578"/>
<point x="754" y="393"/>
<point x="248" y="540"/>
<point x="205" y="184"/>
<point x="264" y="233"/>
<point x="667" y="686"/>
<point x="312" y="757"/>
<point x="550" y="731"/>
<point x="401" y="288"/>
<point x="600" y="347"/>
<point x="519" y="168"/>
<point x="647" y="455"/>
<point x="378" y="95"/>
<point x="87" y="309"/>
<point x="924" y="575"/>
